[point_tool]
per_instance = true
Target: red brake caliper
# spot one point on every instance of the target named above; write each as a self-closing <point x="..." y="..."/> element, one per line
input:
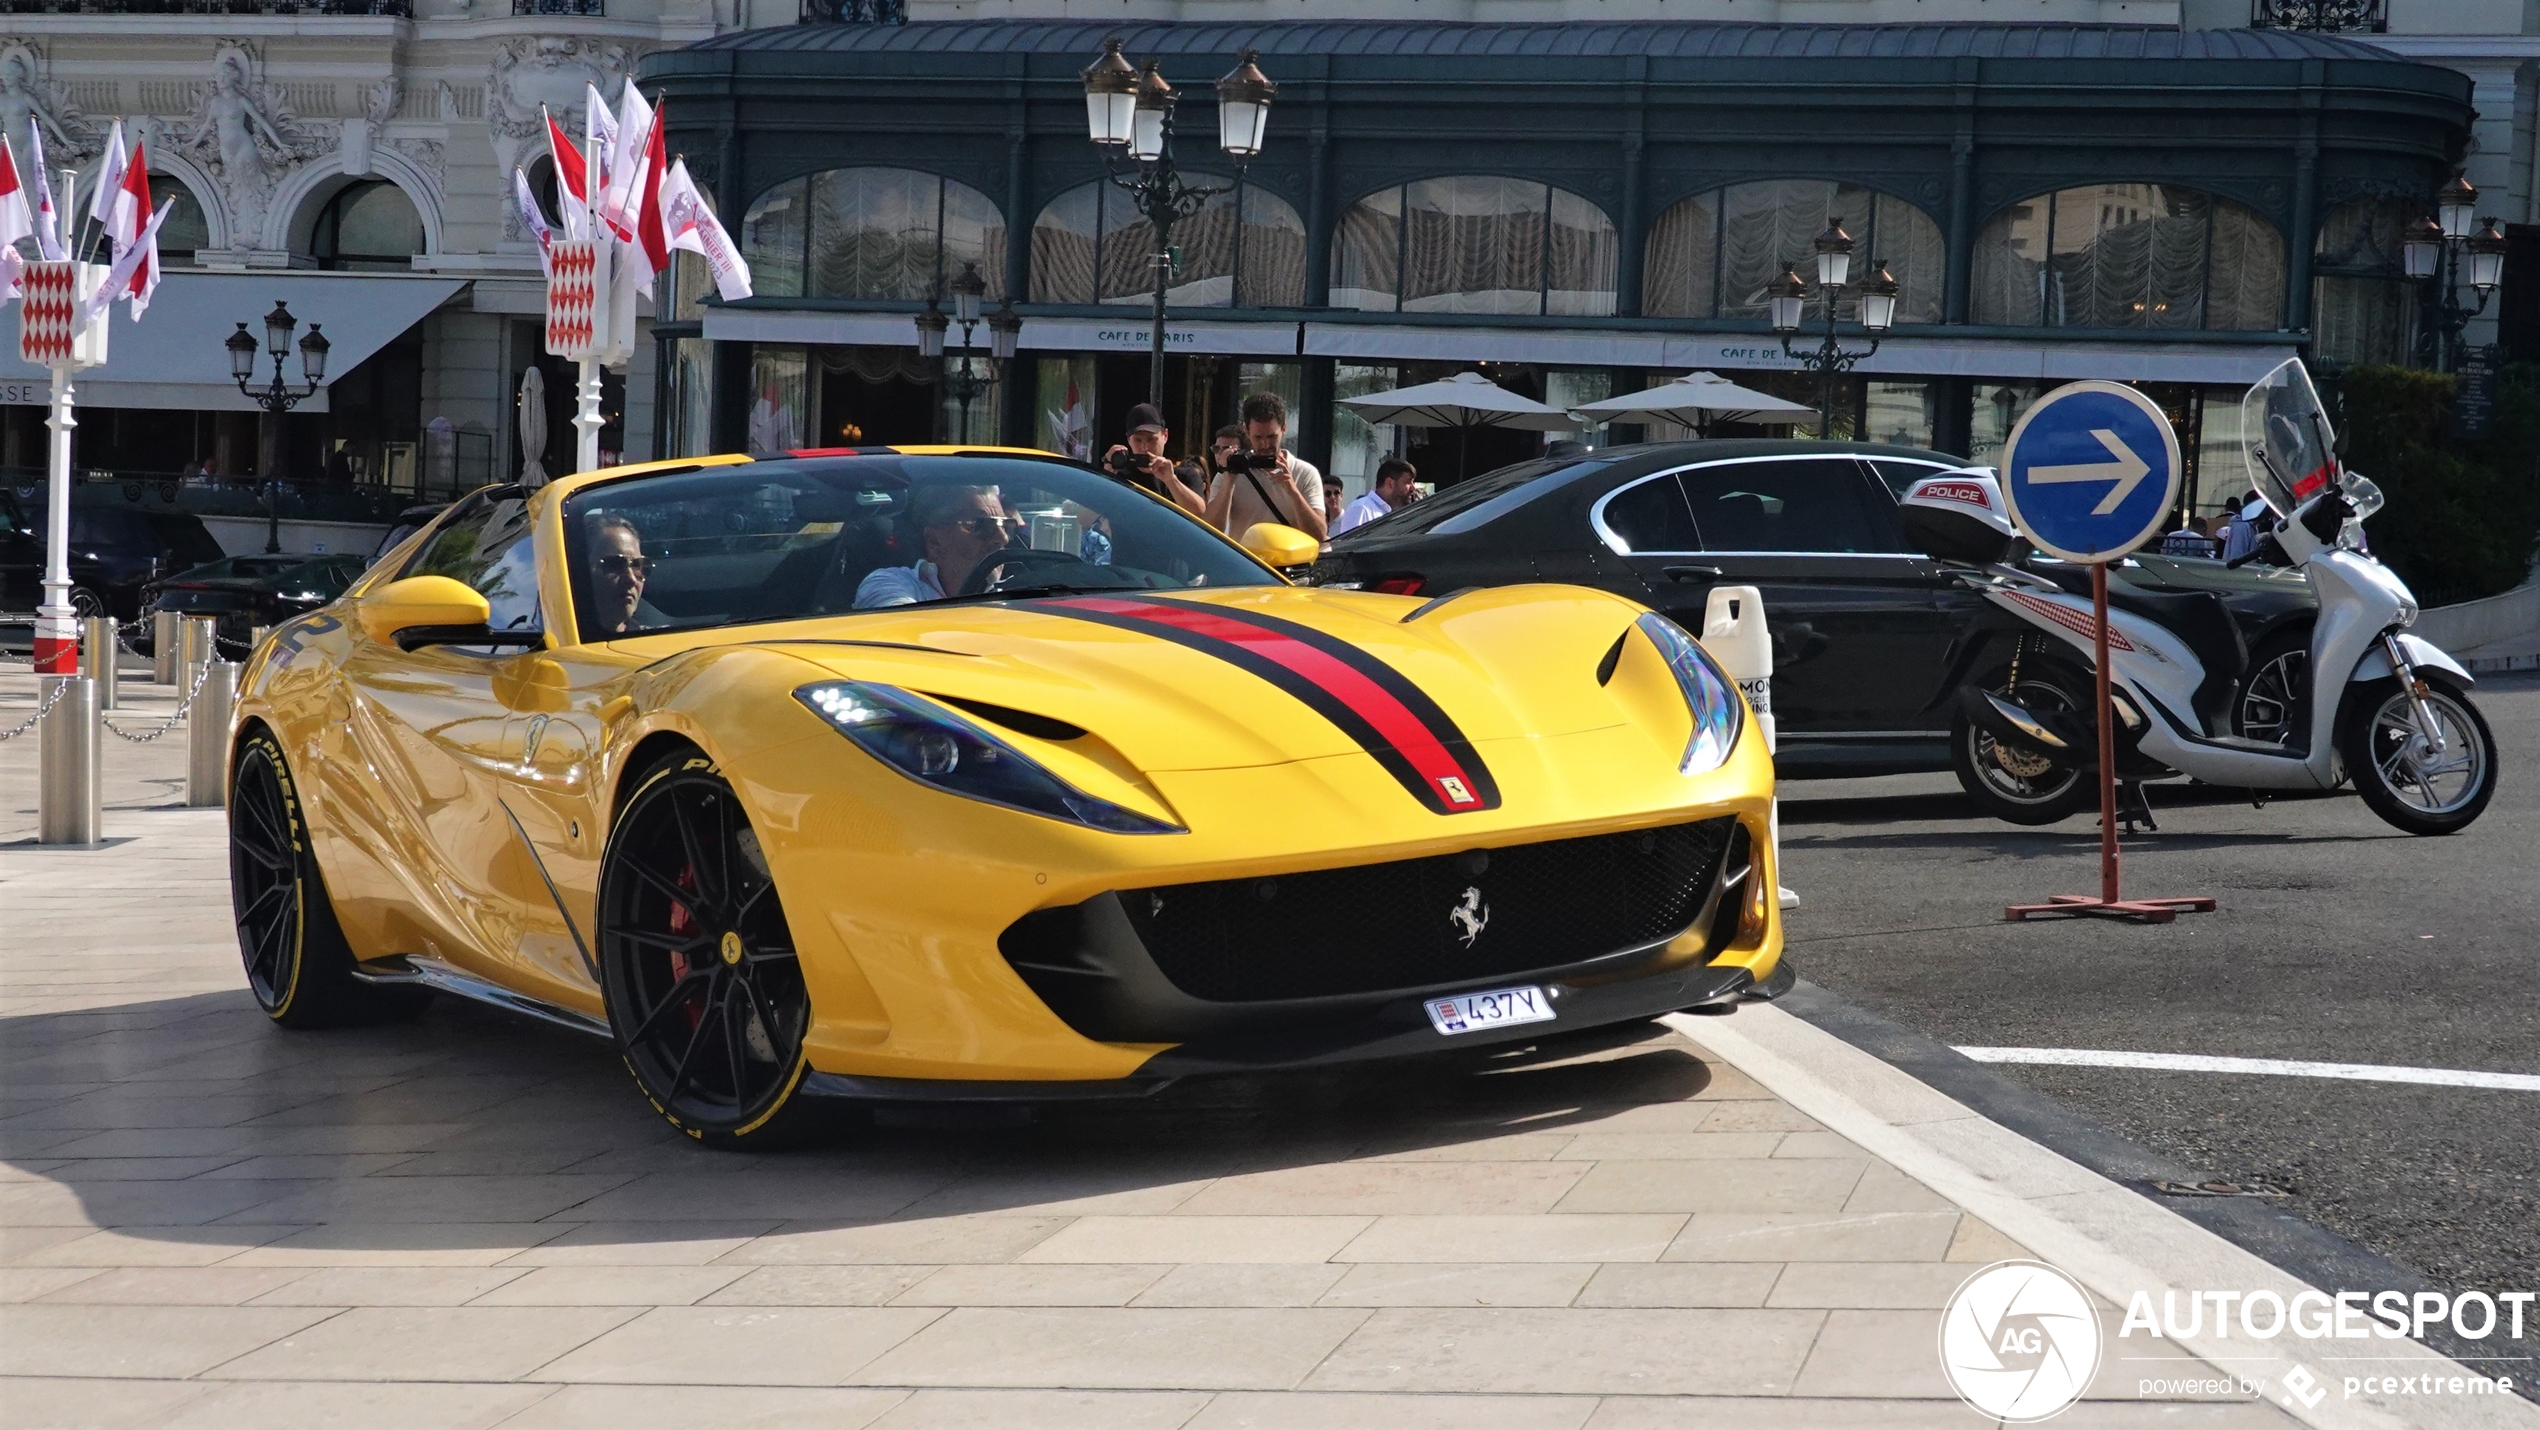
<point x="681" y="922"/>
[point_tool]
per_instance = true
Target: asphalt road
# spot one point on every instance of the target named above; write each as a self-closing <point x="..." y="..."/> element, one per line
<point x="2338" y="939"/>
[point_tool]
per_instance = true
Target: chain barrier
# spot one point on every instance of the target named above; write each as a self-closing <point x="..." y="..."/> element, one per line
<point x="174" y="717"/>
<point x="59" y="688"/>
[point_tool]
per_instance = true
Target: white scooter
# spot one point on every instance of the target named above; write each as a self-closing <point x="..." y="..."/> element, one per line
<point x="2392" y="712"/>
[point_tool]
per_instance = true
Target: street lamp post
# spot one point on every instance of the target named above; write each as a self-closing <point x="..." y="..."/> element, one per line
<point x="2432" y="252"/>
<point x="1829" y="358"/>
<point x="1004" y="327"/>
<point x="276" y="397"/>
<point x="1131" y="111"/>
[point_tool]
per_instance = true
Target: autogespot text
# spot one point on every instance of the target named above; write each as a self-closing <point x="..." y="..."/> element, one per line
<point x="2322" y="1316"/>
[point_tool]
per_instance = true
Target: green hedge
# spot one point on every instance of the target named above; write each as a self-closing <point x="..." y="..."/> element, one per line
<point x="2463" y="515"/>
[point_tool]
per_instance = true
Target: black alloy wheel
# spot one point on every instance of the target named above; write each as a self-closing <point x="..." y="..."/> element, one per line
<point x="2013" y="785"/>
<point x="704" y="989"/>
<point x="2275" y="696"/>
<point x="299" y="965"/>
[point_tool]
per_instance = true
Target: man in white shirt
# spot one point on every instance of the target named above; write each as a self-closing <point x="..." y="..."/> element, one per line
<point x="958" y="527"/>
<point x="1278" y="487"/>
<point x="1395" y="489"/>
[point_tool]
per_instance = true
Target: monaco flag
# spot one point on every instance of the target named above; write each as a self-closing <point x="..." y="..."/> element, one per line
<point x="131" y="228"/>
<point x="573" y="189"/>
<point x="17" y="221"/>
<point x="688" y="223"/>
<point x="48" y="224"/>
<point x="627" y="167"/>
<point x="108" y="196"/>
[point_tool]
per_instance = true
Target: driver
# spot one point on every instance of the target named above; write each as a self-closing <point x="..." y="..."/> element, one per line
<point x="619" y="569"/>
<point x="959" y="526"/>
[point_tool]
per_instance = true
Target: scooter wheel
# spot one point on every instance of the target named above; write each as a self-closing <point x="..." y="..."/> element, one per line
<point x="2011" y="785"/>
<point x="2404" y="782"/>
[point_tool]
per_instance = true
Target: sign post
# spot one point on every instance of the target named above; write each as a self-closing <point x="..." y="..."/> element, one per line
<point x="2090" y="473"/>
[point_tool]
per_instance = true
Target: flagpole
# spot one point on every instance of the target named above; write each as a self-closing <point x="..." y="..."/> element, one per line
<point x="586" y="418"/>
<point x="56" y="623"/>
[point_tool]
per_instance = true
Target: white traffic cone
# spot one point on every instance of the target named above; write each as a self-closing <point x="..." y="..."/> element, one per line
<point x="1735" y="633"/>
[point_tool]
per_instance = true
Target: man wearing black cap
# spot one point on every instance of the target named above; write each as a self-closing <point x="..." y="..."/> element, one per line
<point x="1153" y="470"/>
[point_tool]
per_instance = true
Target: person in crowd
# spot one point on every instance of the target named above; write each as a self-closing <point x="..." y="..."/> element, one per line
<point x="1331" y="502"/>
<point x="1179" y="483"/>
<point x="2241" y="530"/>
<point x="1268" y="483"/>
<point x="1228" y="441"/>
<point x="619" y="569"/>
<point x="958" y="527"/>
<point x="1396" y="487"/>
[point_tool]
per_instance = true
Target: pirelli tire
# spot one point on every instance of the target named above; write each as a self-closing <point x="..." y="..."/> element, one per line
<point x="704" y="988"/>
<point x="299" y="965"/>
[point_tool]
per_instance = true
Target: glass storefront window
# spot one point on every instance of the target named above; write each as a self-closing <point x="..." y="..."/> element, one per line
<point x="778" y="409"/>
<point x="1898" y="413"/>
<point x="1710" y="255"/>
<point x="1998" y="406"/>
<point x="1567" y="388"/>
<point x="2363" y="307"/>
<point x="690" y="281"/>
<point x="1064" y="414"/>
<point x="2129" y="256"/>
<point x="1357" y="444"/>
<point x="1090" y="246"/>
<point x="871" y="233"/>
<point x="1287" y="379"/>
<point x="691" y="399"/>
<point x="1475" y="244"/>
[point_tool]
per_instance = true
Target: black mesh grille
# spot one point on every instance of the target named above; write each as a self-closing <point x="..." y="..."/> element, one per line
<point x="1394" y="925"/>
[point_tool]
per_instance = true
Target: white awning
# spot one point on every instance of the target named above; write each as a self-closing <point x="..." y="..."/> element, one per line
<point x="1131" y="332"/>
<point x="174" y="359"/>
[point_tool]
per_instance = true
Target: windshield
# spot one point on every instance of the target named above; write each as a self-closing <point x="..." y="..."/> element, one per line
<point x="774" y="541"/>
<point x="2289" y="438"/>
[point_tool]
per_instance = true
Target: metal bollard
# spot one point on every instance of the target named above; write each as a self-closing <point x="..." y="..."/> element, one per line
<point x="66" y="800"/>
<point x="1736" y="633"/>
<point x="207" y="737"/>
<point x="98" y="656"/>
<point x="163" y="653"/>
<point x="194" y="645"/>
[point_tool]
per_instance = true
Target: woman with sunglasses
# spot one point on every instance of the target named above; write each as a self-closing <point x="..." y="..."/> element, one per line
<point x="959" y="527"/>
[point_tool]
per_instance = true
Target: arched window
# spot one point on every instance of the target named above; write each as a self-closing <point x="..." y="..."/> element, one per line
<point x="2129" y="256"/>
<point x="871" y="233"/>
<point x="1475" y="244"/>
<point x="1090" y="246"/>
<point x="367" y="224"/>
<point x="1709" y="256"/>
<point x="2363" y="308"/>
<point x="186" y="230"/>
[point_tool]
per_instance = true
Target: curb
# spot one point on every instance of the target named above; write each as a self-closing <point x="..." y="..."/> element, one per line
<point x="2110" y="1238"/>
<point x="2499" y="664"/>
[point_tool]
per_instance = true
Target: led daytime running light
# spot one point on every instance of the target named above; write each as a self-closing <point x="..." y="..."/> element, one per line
<point x="1718" y="713"/>
<point x="940" y="749"/>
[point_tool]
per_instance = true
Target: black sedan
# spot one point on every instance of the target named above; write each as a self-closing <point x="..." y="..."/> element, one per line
<point x="1871" y="639"/>
<point x="115" y="552"/>
<point x="244" y="592"/>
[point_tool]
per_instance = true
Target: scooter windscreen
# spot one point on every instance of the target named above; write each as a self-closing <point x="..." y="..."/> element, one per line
<point x="2288" y="438"/>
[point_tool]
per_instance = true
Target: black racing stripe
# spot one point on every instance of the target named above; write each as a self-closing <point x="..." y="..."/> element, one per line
<point x="1316" y="698"/>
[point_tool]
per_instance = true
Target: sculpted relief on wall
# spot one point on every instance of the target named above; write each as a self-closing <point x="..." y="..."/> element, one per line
<point x="531" y="72"/>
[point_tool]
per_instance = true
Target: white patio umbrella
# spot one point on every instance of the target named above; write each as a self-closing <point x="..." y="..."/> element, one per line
<point x="1464" y="402"/>
<point x="533" y="428"/>
<point x="1697" y="400"/>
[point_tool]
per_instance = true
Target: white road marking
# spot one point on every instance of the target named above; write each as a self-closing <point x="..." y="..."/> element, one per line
<point x="2264" y="1067"/>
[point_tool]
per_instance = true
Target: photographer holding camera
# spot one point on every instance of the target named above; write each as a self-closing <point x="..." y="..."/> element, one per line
<point x="1143" y="463"/>
<point x="1264" y="481"/>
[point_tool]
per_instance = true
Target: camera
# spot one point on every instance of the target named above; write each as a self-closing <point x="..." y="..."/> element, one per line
<point x="1128" y="466"/>
<point x="1247" y="460"/>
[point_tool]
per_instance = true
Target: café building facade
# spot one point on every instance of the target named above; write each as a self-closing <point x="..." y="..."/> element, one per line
<point x="1578" y="209"/>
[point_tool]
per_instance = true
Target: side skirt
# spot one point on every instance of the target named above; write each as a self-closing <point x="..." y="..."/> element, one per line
<point x="432" y="973"/>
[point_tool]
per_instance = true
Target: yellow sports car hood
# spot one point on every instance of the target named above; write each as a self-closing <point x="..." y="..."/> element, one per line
<point x="1193" y="680"/>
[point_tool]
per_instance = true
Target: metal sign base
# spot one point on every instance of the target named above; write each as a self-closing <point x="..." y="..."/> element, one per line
<point x="2111" y="904"/>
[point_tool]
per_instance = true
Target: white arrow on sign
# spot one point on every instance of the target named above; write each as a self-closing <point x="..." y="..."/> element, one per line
<point x="2125" y="472"/>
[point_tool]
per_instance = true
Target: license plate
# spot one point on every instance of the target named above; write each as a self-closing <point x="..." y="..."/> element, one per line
<point x="1499" y="1008"/>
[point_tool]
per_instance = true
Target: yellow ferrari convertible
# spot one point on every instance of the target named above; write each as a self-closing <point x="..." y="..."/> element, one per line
<point x="932" y="773"/>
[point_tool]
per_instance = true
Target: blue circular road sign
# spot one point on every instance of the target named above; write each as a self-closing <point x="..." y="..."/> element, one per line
<point x="2091" y="471"/>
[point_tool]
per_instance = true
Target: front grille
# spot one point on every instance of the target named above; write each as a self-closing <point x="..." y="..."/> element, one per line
<point x="1395" y="925"/>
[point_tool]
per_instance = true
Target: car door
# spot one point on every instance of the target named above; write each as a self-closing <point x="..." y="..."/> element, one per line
<point x="429" y="729"/>
<point x="1857" y="640"/>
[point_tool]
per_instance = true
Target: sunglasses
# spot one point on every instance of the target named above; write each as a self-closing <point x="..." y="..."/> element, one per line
<point x="977" y="525"/>
<point x="625" y="565"/>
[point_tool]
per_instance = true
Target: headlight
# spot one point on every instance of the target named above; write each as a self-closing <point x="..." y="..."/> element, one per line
<point x="1718" y="714"/>
<point x="936" y="747"/>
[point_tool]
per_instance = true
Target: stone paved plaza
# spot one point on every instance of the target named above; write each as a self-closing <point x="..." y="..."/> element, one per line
<point x="474" y="1220"/>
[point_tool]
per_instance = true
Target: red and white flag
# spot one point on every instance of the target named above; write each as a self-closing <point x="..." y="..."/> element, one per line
<point x="599" y="139"/>
<point x="135" y="235"/>
<point x="652" y="237"/>
<point x="573" y="189"/>
<point x="17" y="220"/>
<point x="48" y="221"/>
<point x="627" y="169"/>
<point x="125" y="276"/>
<point x="108" y="195"/>
<point x="688" y="222"/>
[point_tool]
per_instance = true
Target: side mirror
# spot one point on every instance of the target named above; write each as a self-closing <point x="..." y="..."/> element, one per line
<point x="421" y="601"/>
<point x="1280" y="547"/>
